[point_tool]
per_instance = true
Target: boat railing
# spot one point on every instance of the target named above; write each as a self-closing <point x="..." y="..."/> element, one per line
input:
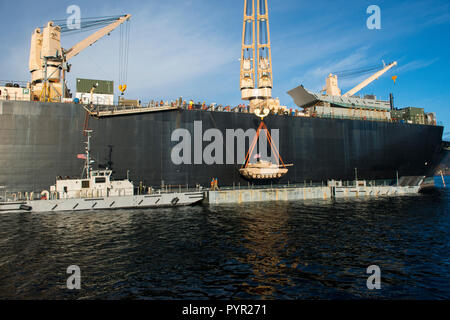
<point x="20" y="196"/>
<point x="144" y="190"/>
<point x="10" y="196"/>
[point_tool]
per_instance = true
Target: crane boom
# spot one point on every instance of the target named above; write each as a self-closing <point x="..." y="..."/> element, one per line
<point x="369" y="80"/>
<point x="80" y="46"/>
<point x="256" y="57"/>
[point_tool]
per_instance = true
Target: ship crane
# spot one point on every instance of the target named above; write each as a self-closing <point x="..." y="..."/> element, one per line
<point x="256" y="84"/>
<point x="332" y="87"/>
<point x="48" y="59"/>
<point x="256" y="80"/>
<point x="369" y="80"/>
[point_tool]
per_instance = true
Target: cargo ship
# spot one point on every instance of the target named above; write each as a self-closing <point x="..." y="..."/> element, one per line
<point x="40" y="141"/>
<point x="335" y="136"/>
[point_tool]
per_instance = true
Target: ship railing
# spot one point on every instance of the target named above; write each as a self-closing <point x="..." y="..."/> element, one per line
<point x="13" y="83"/>
<point x="13" y="96"/>
<point x="244" y="109"/>
<point x="308" y="184"/>
<point x="329" y="116"/>
<point x="109" y="110"/>
<point x="287" y="114"/>
<point x="105" y="109"/>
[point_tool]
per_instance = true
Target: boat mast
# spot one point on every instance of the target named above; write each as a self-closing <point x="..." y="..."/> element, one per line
<point x="87" y="165"/>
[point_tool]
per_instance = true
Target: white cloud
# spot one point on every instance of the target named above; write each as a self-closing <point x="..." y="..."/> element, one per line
<point x="415" y="65"/>
<point x="167" y="51"/>
<point x="314" y="78"/>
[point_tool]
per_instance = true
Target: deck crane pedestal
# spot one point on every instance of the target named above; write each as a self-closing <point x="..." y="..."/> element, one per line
<point x="48" y="61"/>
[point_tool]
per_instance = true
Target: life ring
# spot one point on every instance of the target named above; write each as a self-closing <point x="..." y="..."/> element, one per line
<point x="45" y="195"/>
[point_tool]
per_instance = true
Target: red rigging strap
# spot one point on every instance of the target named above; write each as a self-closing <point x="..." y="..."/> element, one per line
<point x="273" y="146"/>
<point x="255" y="139"/>
<point x="274" y="149"/>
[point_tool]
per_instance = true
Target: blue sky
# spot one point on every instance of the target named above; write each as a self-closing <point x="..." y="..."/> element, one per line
<point x="191" y="48"/>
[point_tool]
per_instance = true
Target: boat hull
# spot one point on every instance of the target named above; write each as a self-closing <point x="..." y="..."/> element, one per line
<point x="105" y="203"/>
<point x="39" y="141"/>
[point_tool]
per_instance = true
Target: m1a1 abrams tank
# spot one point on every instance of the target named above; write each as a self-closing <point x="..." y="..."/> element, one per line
<point x="263" y="170"/>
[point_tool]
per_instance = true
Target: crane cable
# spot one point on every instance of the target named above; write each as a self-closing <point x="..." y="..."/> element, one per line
<point x="124" y="49"/>
<point x="93" y="23"/>
<point x="351" y="73"/>
<point x="86" y="24"/>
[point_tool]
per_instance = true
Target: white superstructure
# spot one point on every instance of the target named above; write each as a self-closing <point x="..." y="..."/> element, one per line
<point x="99" y="184"/>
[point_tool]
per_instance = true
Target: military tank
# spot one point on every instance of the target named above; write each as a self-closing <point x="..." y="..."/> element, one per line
<point x="263" y="170"/>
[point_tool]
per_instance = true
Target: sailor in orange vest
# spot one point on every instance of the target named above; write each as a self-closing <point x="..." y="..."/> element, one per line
<point x="191" y="104"/>
<point x="212" y="184"/>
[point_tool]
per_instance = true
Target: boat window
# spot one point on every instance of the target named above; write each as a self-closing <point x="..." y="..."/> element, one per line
<point x="100" y="180"/>
<point x="85" y="184"/>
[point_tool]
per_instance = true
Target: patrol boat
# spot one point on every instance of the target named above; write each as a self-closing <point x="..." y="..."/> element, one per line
<point x="97" y="191"/>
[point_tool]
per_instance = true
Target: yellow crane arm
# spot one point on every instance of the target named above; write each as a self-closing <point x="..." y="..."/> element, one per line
<point x="80" y="46"/>
<point x="369" y="80"/>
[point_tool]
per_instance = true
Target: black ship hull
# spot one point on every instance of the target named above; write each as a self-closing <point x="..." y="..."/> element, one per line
<point x="39" y="141"/>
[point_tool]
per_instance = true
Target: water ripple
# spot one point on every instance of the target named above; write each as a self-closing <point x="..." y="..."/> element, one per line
<point x="312" y="250"/>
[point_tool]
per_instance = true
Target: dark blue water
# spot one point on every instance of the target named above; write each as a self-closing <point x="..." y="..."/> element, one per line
<point x="315" y="249"/>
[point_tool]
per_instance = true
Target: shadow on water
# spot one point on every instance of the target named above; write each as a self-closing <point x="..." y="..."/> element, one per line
<point x="313" y="249"/>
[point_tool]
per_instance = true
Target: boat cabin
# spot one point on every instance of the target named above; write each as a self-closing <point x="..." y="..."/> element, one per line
<point x="99" y="184"/>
